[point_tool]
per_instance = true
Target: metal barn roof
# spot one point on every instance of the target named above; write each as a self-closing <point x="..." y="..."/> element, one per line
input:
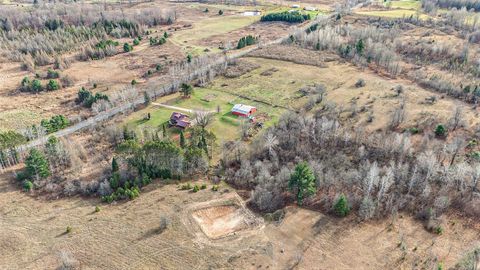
<point x="244" y="109"/>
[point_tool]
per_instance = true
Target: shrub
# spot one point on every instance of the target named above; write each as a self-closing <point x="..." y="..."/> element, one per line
<point x="215" y="188"/>
<point x="52" y="74"/>
<point x="66" y="81"/>
<point x="360" y="83"/>
<point x="69" y="229"/>
<point x="134" y="82"/>
<point x="220" y="12"/>
<point x="195" y="188"/>
<point x="127" y="47"/>
<point x="341" y="206"/>
<point x="186" y="186"/>
<point x="438" y="230"/>
<point x="136" y="42"/>
<point x="52" y="85"/>
<point x="203" y="186"/>
<point x="189" y="58"/>
<point x="36" y="86"/>
<point x="158" y="67"/>
<point x="440" y="130"/>
<point x="27" y="185"/>
<point x="55" y="123"/>
<point x="97" y="209"/>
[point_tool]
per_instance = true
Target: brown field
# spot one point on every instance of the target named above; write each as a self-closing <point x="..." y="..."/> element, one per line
<point x="170" y="228"/>
<point x="130" y="236"/>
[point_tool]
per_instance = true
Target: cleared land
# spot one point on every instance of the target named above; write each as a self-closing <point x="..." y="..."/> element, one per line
<point x="130" y="236"/>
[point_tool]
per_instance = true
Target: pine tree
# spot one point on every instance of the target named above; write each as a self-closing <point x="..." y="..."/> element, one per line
<point x="115" y="166"/>
<point x="341" y="206"/>
<point x="182" y="139"/>
<point x="37" y="165"/>
<point x="302" y="181"/>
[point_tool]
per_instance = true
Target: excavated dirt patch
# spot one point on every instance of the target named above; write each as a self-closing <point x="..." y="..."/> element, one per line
<point x="220" y="221"/>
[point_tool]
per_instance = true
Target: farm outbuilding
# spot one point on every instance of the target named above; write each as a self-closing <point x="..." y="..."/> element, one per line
<point x="243" y="110"/>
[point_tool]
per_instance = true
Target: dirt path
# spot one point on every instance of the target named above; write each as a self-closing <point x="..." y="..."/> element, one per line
<point x="178" y="108"/>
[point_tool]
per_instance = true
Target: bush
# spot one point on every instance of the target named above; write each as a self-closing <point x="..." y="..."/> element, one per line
<point x="52" y="74"/>
<point x="27" y="185"/>
<point x="127" y="47"/>
<point x="360" y="83"/>
<point x="69" y="229"/>
<point x="55" y="123"/>
<point x="341" y="206"/>
<point x="66" y="81"/>
<point x="36" y="86"/>
<point x="195" y="188"/>
<point x="97" y="209"/>
<point x="203" y="186"/>
<point x="136" y="42"/>
<point x="52" y="85"/>
<point x="438" y="230"/>
<point x="220" y="12"/>
<point x="186" y="186"/>
<point x="134" y="82"/>
<point x="215" y="188"/>
<point x="440" y="130"/>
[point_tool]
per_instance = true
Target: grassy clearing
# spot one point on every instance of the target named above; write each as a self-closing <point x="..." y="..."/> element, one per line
<point x="213" y="26"/>
<point x="393" y="13"/>
<point x="276" y="82"/>
<point x="225" y="125"/>
<point x="406" y="4"/>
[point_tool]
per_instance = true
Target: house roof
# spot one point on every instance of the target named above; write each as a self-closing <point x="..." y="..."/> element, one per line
<point x="244" y="109"/>
<point x="178" y="116"/>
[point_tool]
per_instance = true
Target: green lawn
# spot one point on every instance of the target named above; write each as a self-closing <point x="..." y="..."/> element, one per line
<point x="225" y="125"/>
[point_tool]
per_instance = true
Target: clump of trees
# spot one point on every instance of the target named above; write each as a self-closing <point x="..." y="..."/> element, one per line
<point x="159" y="40"/>
<point x="55" y="123"/>
<point x="378" y="174"/>
<point x="291" y="17"/>
<point x="157" y="158"/>
<point x="87" y="99"/>
<point x="246" y="41"/>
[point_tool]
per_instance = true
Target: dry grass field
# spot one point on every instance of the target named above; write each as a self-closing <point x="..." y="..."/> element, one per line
<point x="130" y="235"/>
<point x="326" y="98"/>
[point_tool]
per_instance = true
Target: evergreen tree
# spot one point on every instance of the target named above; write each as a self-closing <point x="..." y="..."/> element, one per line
<point x="341" y="206"/>
<point x="440" y="130"/>
<point x="182" y="139"/>
<point x="37" y="165"/>
<point x="302" y="182"/>
<point x="220" y="12"/>
<point x="186" y="89"/>
<point x="115" y="166"/>
<point x="360" y="47"/>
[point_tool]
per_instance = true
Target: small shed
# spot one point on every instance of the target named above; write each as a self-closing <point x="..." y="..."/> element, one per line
<point x="243" y="110"/>
<point x="179" y="120"/>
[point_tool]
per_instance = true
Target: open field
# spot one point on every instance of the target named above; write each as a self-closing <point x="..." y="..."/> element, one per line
<point x="363" y="153"/>
<point x="130" y="236"/>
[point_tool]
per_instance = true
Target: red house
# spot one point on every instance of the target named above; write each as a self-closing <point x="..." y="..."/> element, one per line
<point x="243" y="110"/>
